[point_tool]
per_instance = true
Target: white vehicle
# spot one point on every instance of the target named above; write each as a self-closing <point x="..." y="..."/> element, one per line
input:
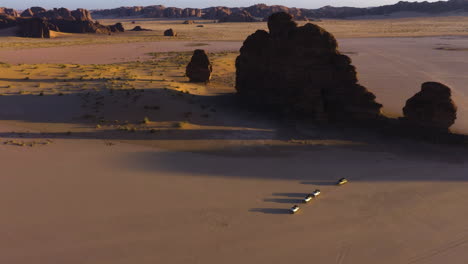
<point x="308" y="198"/>
<point x="342" y="181"/>
<point x="316" y="193"/>
<point x="294" y="209"/>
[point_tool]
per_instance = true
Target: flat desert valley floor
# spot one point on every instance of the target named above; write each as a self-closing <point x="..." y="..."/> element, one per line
<point x="109" y="154"/>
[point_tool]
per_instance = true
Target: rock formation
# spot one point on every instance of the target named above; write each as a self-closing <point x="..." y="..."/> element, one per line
<point x="34" y="28"/>
<point x="299" y="71"/>
<point x="139" y="28"/>
<point x="241" y="16"/>
<point x="81" y="15"/>
<point x="34" y="21"/>
<point x="199" y="69"/>
<point x="118" y="27"/>
<point x="431" y="108"/>
<point x="7" y="21"/>
<point x="264" y="11"/>
<point x="170" y="33"/>
<point x="154" y="11"/>
<point x="189" y="22"/>
<point x="8" y="12"/>
<point x="218" y="12"/>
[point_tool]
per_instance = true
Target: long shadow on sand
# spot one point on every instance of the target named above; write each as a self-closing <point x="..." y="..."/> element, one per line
<point x="270" y="210"/>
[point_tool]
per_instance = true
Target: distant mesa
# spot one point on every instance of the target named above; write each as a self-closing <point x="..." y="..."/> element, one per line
<point x="37" y="22"/>
<point x="200" y="68"/>
<point x="170" y="33"/>
<point x="432" y="108"/>
<point x="298" y="71"/>
<point x="262" y="11"/>
<point x="155" y="11"/>
<point x="240" y="16"/>
<point x="8" y="12"/>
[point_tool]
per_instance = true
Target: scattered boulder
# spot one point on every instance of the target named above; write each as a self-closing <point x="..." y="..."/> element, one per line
<point x="34" y="28"/>
<point x="241" y="16"/>
<point x="189" y="22"/>
<point x="200" y="68"/>
<point x="299" y="71"/>
<point x="138" y="28"/>
<point x="170" y="33"/>
<point x="431" y="108"/>
<point x="200" y="26"/>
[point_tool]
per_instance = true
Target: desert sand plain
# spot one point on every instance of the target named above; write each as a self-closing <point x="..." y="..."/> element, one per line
<point x="109" y="155"/>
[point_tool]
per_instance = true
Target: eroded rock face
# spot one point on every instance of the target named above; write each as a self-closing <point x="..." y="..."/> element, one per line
<point x="241" y="16"/>
<point x="431" y="108"/>
<point x="7" y="21"/>
<point x="58" y="14"/>
<point x="8" y="11"/>
<point x="199" y="69"/>
<point x="218" y="12"/>
<point x="155" y="11"/>
<point x="34" y="28"/>
<point x="299" y="71"/>
<point x="81" y="15"/>
<point x="170" y="33"/>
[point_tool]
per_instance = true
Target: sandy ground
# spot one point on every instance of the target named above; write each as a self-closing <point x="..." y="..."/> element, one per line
<point x="384" y="64"/>
<point x="81" y="201"/>
<point x="204" y="181"/>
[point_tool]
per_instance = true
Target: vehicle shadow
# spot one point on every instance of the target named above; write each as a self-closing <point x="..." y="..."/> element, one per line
<point x="270" y="210"/>
<point x="283" y="200"/>
<point x="319" y="183"/>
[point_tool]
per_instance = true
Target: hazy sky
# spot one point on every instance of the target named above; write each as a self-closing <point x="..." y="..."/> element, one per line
<point x="94" y="4"/>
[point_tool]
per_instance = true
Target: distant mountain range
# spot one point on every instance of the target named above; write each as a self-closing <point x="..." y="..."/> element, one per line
<point x="261" y="11"/>
<point x="257" y="12"/>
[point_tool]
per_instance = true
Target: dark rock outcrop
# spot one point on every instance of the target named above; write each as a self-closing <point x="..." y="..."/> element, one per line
<point x="34" y="28"/>
<point x="170" y="33"/>
<point x="189" y="22"/>
<point x="199" y="69"/>
<point x="58" y="14"/>
<point x="118" y="27"/>
<point x="81" y="15"/>
<point x="241" y="16"/>
<point x="299" y="71"/>
<point x="7" y="21"/>
<point x="37" y="22"/>
<point x="139" y="28"/>
<point x="432" y="108"/>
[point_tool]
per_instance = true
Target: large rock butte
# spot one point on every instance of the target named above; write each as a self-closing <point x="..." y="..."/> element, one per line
<point x="432" y="108"/>
<point x="34" y="28"/>
<point x="200" y="68"/>
<point x="299" y="71"/>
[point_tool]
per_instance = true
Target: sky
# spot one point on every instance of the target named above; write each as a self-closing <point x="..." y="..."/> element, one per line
<point x="104" y="4"/>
